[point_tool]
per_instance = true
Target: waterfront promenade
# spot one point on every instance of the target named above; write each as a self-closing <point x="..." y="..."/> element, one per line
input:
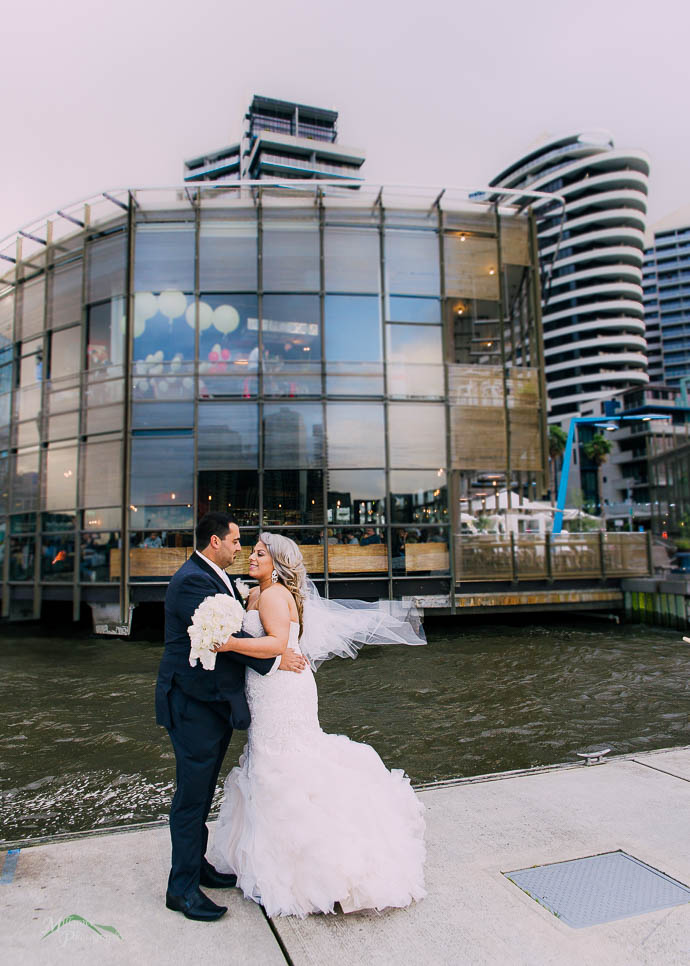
<point x="478" y="829"/>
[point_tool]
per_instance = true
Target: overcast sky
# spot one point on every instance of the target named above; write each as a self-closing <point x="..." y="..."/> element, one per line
<point x="106" y="96"/>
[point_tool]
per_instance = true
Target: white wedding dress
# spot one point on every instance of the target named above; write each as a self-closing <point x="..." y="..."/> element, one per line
<point x="311" y="819"/>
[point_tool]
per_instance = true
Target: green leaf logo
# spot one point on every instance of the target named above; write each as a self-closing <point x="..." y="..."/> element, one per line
<point x="96" y="926"/>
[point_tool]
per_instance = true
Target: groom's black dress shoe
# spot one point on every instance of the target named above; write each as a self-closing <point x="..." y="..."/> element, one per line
<point x="195" y="905"/>
<point x="213" y="879"/>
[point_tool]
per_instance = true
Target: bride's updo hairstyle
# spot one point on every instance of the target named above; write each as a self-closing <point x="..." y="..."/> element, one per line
<point x="288" y="563"/>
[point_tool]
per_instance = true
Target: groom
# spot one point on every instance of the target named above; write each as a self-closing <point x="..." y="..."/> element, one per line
<point x="200" y="708"/>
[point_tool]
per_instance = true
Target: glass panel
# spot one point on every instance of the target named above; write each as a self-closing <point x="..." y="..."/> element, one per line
<point x="65" y="300"/>
<point x="292" y="345"/>
<point x="162" y="415"/>
<point x="362" y="551"/>
<point x="65" y="352"/>
<point x="310" y="543"/>
<point x="23" y="523"/>
<point x="356" y="496"/>
<point x="161" y="516"/>
<point x="420" y="551"/>
<point x="164" y="258"/>
<point x="156" y="554"/>
<point x="63" y="427"/>
<point x="231" y="491"/>
<point x="228" y="345"/>
<point x="25" y="482"/>
<point x="61" y="477"/>
<point x="27" y="433"/>
<point x="32" y="307"/>
<point x="97" y="562"/>
<point x="102" y="391"/>
<point x="417" y="434"/>
<point x="402" y="308"/>
<point x="63" y="400"/>
<point x="104" y="419"/>
<point x="57" y="557"/>
<point x="419" y="496"/>
<point x="293" y="434"/>
<point x="227" y="256"/>
<point x="6" y="320"/>
<point x="471" y="266"/>
<point x="290" y="254"/>
<point x="163" y="331"/>
<point x="107" y="260"/>
<point x="353" y="339"/>
<point x="22" y="551"/>
<point x="109" y="517"/>
<point x="162" y="388"/>
<point x="412" y="262"/>
<point x="293" y="497"/>
<point x="415" y="360"/>
<point x="58" y="522"/>
<point x="4" y="482"/>
<point x="351" y="257"/>
<point x="355" y="434"/>
<point x="228" y="436"/>
<point x="31" y="369"/>
<point x="162" y="471"/>
<point x="105" y="334"/>
<point x="102" y="468"/>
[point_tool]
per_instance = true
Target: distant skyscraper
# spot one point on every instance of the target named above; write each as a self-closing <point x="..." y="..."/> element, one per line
<point x="666" y="287"/>
<point x="282" y="140"/>
<point x="593" y="316"/>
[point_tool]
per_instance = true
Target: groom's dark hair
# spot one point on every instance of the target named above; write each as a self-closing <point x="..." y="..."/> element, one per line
<point x="212" y="525"/>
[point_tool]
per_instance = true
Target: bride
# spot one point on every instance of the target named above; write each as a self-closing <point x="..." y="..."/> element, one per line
<point x="311" y="819"/>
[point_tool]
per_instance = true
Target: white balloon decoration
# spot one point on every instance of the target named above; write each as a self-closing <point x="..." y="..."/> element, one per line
<point x="226" y="318"/>
<point x="172" y="304"/>
<point x="145" y="306"/>
<point x="205" y="315"/>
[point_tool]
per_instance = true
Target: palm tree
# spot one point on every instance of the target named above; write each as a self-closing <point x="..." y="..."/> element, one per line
<point x="557" y="441"/>
<point x="597" y="450"/>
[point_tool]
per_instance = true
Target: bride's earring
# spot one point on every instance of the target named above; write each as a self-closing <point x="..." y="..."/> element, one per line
<point x="274" y="577"/>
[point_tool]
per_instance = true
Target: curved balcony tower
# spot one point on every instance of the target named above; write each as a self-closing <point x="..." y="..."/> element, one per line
<point x="591" y="265"/>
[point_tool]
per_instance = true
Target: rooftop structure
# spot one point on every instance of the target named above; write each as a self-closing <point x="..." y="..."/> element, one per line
<point x="282" y="140"/>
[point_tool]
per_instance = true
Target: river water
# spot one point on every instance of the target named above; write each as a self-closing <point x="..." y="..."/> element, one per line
<point x="79" y="748"/>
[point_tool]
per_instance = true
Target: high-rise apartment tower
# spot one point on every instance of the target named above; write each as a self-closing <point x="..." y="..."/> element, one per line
<point x="666" y="287"/>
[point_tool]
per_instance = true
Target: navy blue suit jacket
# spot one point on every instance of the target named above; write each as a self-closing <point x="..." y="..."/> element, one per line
<point x="193" y="582"/>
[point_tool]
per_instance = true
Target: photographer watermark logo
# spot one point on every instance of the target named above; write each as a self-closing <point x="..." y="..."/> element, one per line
<point x="72" y="927"/>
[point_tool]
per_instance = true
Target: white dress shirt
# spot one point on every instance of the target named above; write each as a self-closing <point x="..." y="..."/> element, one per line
<point x="228" y="583"/>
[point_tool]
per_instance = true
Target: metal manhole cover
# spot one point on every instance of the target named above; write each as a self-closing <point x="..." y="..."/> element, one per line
<point x="600" y="888"/>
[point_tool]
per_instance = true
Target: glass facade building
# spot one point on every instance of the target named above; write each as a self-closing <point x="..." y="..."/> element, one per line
<point x="348" y="368"/>
<point x="666" y="288"/>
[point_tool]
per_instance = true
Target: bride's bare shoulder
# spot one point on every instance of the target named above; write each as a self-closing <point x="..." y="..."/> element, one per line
<point x="253" y="597"/>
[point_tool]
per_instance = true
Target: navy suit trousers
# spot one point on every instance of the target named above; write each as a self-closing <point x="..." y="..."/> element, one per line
<point x="200" y="733"/>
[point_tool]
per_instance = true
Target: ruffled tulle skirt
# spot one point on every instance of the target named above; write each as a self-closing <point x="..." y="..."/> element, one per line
<point x="320" y="823"/>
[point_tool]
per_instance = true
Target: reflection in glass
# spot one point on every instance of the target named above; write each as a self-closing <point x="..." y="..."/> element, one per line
<point x="105" y="334"/>
<point x="228" y="436"/>
<point x="162" y="471"/>
<point x="23" y="523"/>
<point x="293" y="497"/>
<point x="419" y="496"/>
<point x="164" y="258"/>
<point x="293" y="434"/>
<point x="65" y="297"/>
<point x="107" y="260"/>
<point x="57" y="557"/>
<point x="102" y="517"/>
<point x="58" y="522"/>
<point x="290" y="254"/>
<point x="357" y="497"/>
<point x="417" y="435"/>
<point x="104" y="419"/>
<point x="227" y="255"/>
<point x="101" y="465"/>
<point x="163" y="333"/>
<point x="228" y="345"/>
<point x="25" y="481"/>
<point x="61" y="477"/>
<point x="4" y="482"/>
<point x="65" y="351"/>
<point x="412" y="262"/>
<point x="158" y="415"/>
<point x="292" y="345"/>
<point x="65" y="426"/>
<point x="161" y="516"/>
<point x="353" y="343"/>
<point x="415" y="360"/>
<point x="22" y="553"/>
<point x="352" y="257"/>
<point x="355" y="434"/>
<point x="6" y="320"/>
<point x="426" y="311"/>
<point x="230" y="491"/>
<point x="97" y="563"/>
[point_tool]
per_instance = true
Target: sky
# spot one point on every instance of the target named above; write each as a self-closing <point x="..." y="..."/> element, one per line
<point x="436" y="93"/>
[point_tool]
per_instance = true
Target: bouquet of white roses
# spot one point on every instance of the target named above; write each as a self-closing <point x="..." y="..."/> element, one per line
<point x="213" y="622"/>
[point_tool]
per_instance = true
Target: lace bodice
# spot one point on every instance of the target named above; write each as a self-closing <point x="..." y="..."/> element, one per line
<point x="283" y="704"/>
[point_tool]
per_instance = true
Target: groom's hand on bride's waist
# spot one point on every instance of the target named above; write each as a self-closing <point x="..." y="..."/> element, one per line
<point x="292" y="661"/>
